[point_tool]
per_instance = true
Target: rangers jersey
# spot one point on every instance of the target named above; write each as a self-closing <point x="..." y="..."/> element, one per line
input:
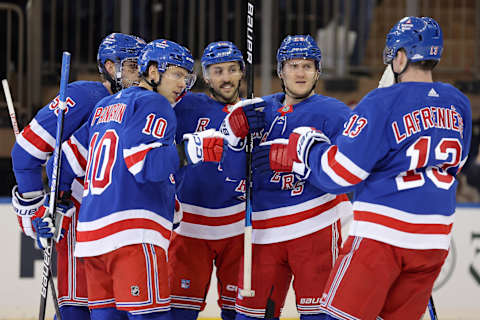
<point x="285" y="207"/>
<point x="212" y="202"/>
<point x="36" y="142"/>
<point x="401" y="149"/>
<point x="127" y="153"/>
<point x="32" y="149"/>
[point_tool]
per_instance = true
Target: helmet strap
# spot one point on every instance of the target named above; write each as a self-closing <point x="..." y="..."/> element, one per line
<point x="153" y="84"/>
<point x="397" y="74"/>
<point x="114" y="86"/>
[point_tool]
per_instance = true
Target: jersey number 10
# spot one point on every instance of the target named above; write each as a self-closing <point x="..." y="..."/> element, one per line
<point x="101" y="158"/>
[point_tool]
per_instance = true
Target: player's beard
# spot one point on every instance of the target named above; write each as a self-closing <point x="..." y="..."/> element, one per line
<point x="224" y="99"/>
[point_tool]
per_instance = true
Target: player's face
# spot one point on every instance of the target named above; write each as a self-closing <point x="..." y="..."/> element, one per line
<point x="224" y="79"/>
<point x="130" y="74"/>
<point x="174" y="82"/>
<point x="299" y="76"/>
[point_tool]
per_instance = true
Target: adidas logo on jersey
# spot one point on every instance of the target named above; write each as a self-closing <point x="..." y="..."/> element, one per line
<point x="433" y="93"/>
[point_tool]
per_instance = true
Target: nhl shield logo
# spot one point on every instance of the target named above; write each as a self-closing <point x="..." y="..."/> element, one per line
<point x="185" y="284"/>
<point x="135" y="291"/>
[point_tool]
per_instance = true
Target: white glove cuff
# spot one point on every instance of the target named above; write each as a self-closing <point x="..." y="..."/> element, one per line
<point x="228" y="135"/>
<point x="298" y="168"/>
<point x="28" y="206"/>
<point x="308" y="137"/>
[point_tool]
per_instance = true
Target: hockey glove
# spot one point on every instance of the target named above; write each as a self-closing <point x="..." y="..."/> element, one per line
<point x="246" y="117"/>
<point x="273" y="156"/>
<point x="204" y="146"/>
<point x="63" y="217"/>
<point x="388" y="77"/>
<point x="26" y="207"/>
<point x="299" y="144"/>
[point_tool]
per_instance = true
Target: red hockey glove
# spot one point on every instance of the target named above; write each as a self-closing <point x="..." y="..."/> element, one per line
<point x="273" y="156"/>
<point x="204" y="146"/>
<point x="299" y="144"/>
<point x="246" y="117"/>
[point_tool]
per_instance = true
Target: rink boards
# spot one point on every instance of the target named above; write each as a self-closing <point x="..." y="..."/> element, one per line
<point x="456" y="293"/>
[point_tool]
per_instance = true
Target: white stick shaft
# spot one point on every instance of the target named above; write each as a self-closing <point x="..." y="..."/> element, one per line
<point x="247" y="291"/>
<point x="11" y="110"/>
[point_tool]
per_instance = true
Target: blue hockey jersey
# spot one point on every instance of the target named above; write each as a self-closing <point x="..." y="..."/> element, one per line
<point x="127" y="153"/>
<point x="212" y="202"/>
<point x="285" y="207"/>
<point x="36" y="142"/>
<point x="401" y="150"/>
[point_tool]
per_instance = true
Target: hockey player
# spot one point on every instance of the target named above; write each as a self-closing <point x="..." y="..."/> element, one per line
<point x="211" y="231"/>
<point x="35" y="145"/>
<point x="127" y="153"/>
<point x="400" y="151"/>
<point x="296" y="226"/>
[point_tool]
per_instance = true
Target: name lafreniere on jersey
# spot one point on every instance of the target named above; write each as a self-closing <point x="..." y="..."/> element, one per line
<point x="113" y="112"/>
<point x="425" y="118"/>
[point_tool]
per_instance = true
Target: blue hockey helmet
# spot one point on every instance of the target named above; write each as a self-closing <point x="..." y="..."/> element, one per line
<point x="221" y="51"/>
<point x="166" y="53"/>
<point x="298" y="47"/>
<point x="421" y="38"/>
<point x="117" y="47"/>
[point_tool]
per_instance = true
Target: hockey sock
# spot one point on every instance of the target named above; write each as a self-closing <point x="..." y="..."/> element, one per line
<point x="108" y="314"/>
<point x="228" y="314"/>
<point x="74" y="313"/>
<point x="183" y="314"/>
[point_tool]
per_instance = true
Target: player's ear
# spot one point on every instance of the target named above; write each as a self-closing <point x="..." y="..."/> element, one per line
<point x="110" y="67"/>
<point x="400" y="61"/>
<point x="153" y="73"/>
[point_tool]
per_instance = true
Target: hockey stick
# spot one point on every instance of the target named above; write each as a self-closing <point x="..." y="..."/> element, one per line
<point x="57" y="152"/>
<point x="11" y="110"/>
<point x="431" y="309"/>
<point x="247" y="245"/>
<point x="16" y="131"/>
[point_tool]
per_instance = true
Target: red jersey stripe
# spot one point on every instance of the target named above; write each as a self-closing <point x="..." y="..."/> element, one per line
<point x="299" y="216"/>
<point x="339" y="169"/>
<point x="212" y="221"/>
<point x="81" y="160"/>
<point x="402" y="225"/>
<point x="127" y="224"/>
<point x="36" y="140"/>
<point x="136" y="157"/>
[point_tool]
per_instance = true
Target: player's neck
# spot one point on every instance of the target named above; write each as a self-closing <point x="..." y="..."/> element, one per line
<point x="290" y="101"/>
<point x="107" y="86"/>
<point x="144" y="84"/>
<point x="416" y="75"/>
